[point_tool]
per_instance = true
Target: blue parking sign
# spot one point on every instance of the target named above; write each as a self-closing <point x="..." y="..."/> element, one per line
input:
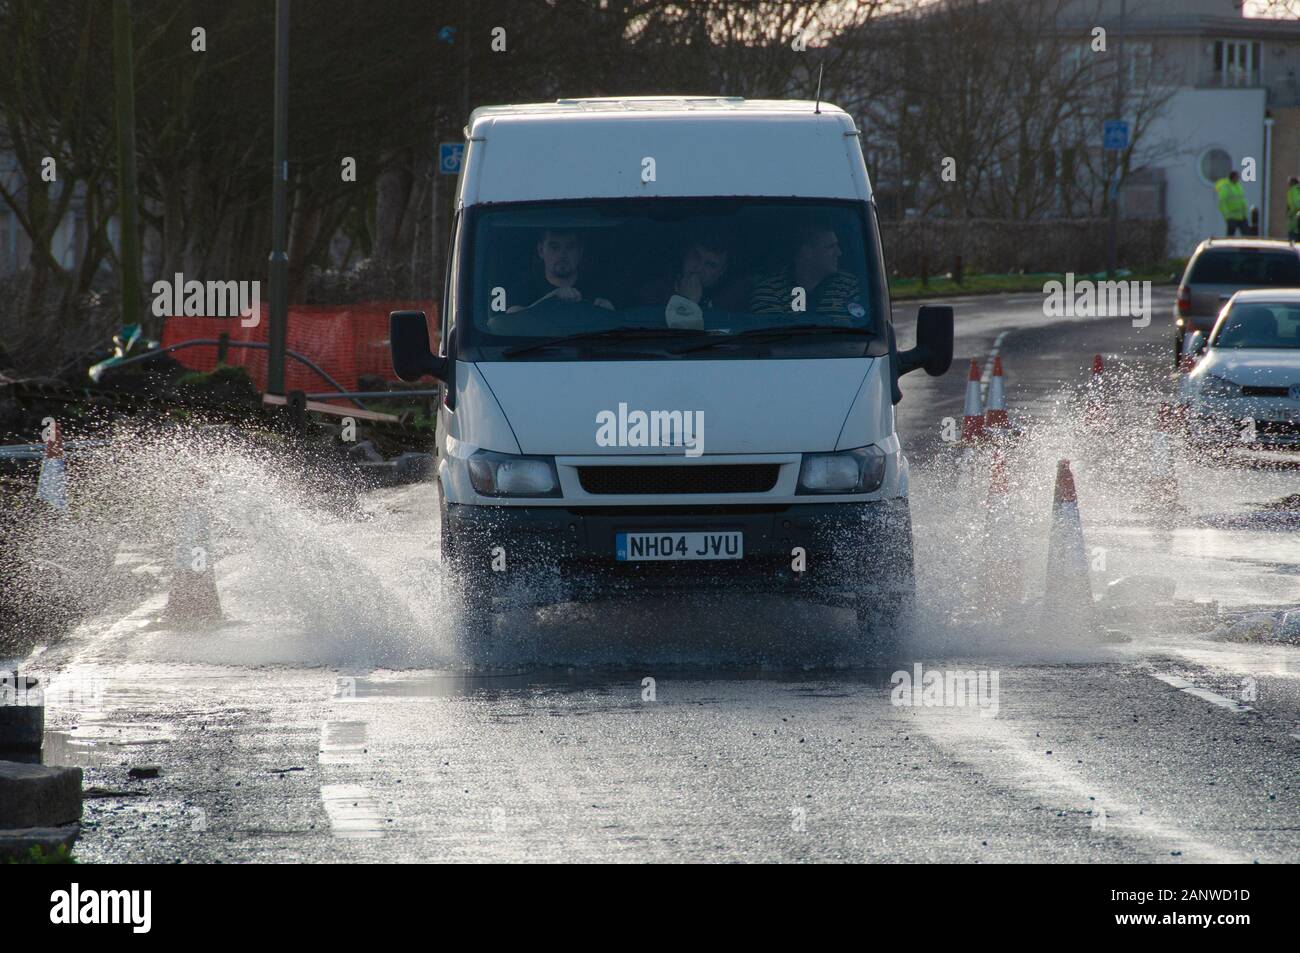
<point x="1115" y="135"/>
<point x="449" y="156"/>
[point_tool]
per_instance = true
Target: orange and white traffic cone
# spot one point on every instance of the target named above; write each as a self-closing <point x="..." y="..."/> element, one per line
<point x="193" y="595"/>
<point x="52" y="484"/>
<point x="972" y="423"/>
<point x="1002" y="577"/>
<point x="995" y="413"/>
<point x="1067" y="601"/>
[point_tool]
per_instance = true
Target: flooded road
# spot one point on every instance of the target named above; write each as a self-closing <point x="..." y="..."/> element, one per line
<point x="326" y="717"/>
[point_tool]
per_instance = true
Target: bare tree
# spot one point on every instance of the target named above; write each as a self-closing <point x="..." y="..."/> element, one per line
<point x="995" y="109"/>
<point x="52" y="109"/>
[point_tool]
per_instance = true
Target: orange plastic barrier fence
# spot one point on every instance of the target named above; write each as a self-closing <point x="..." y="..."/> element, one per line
<point x="346" y="341"/>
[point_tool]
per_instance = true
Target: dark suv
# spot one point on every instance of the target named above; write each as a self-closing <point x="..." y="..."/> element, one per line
<point x="1221" y="266"/>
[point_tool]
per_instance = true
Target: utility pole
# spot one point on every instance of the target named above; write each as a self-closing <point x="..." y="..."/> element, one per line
<point x="435" y="267"/>
<point x="128" y="212"/>
<point x="1112" y="250"/>
<point x="278" y="263"/>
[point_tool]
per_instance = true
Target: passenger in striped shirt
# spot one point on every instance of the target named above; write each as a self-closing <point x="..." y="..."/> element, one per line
<point x="815" y="269"/>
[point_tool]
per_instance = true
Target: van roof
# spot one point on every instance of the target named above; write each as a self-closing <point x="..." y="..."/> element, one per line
<point x="700" y="146"/>
<point x="658" y="104"/>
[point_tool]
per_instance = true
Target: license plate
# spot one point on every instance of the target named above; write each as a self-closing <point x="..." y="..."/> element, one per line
<point x="643" y="547"/>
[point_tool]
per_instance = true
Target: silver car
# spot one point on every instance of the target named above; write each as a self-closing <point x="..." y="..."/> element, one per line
<point x="1245" y="387"/>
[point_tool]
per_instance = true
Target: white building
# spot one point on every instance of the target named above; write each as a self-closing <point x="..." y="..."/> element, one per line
<point x="1235" y="105"/>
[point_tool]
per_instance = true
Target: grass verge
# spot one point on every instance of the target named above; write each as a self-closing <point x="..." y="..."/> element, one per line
<point x="941" y="286"/>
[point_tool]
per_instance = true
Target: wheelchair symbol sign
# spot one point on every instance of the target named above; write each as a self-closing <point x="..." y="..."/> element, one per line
<point x="449" y="156"/>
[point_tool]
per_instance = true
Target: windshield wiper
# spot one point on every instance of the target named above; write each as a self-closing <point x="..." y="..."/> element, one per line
<point x="615" y="334"/>
<point x="775" y="331"/>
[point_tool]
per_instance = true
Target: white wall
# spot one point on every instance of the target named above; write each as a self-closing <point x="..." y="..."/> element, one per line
<point x="1193" y="121"/>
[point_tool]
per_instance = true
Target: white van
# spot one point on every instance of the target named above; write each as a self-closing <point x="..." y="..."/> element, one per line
<point x="668" y="360"/>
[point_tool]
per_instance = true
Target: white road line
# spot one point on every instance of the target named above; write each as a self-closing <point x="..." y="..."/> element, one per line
<point x="352" y="811"/>
<point x="342" y="741"/>
<point x="1183" y="684"/>
<point x="998" y="749"/>
<point x="1222" y="701"/>
<point x="988" y="362"/>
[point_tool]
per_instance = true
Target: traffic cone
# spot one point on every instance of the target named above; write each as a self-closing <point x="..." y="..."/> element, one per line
<point x="52" y="484"/>
<point x="972" y="424"/>
<point x="1067" y="601"/>
<point x="1095" y="412"/>
<point x="1164" y="476"/>
<point x="995" y="414"/>
<point x="999" y="485"/>
<point x="193" y="595"/>
<point x="1002" y="578"/>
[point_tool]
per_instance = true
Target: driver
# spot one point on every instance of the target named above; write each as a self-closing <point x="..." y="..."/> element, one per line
<point x="561" y="252"/>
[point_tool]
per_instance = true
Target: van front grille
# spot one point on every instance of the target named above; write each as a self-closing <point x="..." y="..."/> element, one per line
<point x="1256" y="391"/>
<point x="700" y="478"/>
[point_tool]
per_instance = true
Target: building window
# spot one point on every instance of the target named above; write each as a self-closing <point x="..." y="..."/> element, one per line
<point x="1214" y="165"/>
<point x="1139" y="63"/>
<point x="1236" y="62"/>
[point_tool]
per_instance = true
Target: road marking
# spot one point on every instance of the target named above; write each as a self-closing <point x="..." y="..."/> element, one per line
<point x="1223" y="701"/>
<point x="352" y="811"/>
<point x="1009" y="752"/>
<point x="988" y="362"/>
<point x="342" y="741"/>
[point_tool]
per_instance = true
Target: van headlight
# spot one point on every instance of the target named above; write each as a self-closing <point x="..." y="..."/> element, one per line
<point x="853" y="471"/>
<point x="505" y="474"/>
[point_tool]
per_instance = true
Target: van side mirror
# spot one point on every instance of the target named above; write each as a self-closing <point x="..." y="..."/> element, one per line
<point x="933" y="351"/>
<point x="408" y="342"/>
<point x="1198" y="342"/>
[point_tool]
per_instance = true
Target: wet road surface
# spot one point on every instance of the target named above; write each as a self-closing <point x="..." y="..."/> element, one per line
<point x="639" y="731"/>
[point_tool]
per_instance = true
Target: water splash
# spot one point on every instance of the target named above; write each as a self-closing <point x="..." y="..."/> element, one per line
<point x="314" y="569"/>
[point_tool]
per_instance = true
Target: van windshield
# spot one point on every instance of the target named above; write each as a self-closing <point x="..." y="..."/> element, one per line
<point x="671" y="279"/>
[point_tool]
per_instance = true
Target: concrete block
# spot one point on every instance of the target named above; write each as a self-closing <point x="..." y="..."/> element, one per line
<point x="22" y="727"/>
<point x="38" y="795"/>
<point x="17" y="844"/>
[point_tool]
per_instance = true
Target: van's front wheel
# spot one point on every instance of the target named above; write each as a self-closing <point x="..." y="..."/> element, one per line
<point x="883" y="622"/>
<point x="472" y="587"/>
<point x="886" y="584"/>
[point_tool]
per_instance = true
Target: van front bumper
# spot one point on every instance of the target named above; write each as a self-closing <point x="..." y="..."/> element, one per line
<point x="845" y="546"/>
